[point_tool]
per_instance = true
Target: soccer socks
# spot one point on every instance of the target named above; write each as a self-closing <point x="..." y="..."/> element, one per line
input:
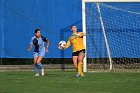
<point x="40" y="65"/>
<point x="42" y="69"/>
<point x="80" y="68"/>
<point x="36" y="69"/>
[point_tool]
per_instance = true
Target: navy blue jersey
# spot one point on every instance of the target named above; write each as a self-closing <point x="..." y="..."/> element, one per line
<point x="38" y="43"/>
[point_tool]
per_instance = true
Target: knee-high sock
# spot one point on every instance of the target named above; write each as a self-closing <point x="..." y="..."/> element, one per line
<point x="40" y="65"/>
<point x="80" y="68"/>
<point x="36" y="68"/>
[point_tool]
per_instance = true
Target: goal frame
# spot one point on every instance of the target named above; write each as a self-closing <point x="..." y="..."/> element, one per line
<point x="84" y="26"/>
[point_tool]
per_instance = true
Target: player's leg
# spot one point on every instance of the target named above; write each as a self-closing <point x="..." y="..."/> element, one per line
<point x="74" y="59"/>
<point x="39" y="59"/>
<point x="36" y="66"/>
<point x="80" y="63"/>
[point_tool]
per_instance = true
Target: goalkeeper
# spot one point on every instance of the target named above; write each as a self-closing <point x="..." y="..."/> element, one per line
<point x="76" y="39"/>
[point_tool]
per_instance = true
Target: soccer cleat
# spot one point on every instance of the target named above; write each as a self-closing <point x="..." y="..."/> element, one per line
<point x="42" y="72"/>
<point x="83" y="76"/>
<point x="37" y="74"/>
<point x="77" y="75"/>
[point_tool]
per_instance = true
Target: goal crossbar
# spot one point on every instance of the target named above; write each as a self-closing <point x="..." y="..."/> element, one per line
<point x="110" y="0"/>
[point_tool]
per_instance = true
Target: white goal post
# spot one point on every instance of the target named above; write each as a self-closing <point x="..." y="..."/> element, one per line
<point x="102" y="25"/>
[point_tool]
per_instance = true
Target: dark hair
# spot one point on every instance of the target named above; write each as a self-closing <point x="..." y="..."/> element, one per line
<point x="72" y="26"/>
<point x="36" y="30"/>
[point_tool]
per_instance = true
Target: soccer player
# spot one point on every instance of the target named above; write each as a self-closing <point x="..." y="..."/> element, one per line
<point x="76" y="39"/>
<point x="39" y="51"/>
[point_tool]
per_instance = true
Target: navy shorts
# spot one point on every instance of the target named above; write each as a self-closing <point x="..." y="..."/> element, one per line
<point x="77" y="52"/>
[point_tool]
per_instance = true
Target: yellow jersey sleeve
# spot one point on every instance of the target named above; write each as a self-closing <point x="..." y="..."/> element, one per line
<point x="68" y="43"/>
<point x="76" y="41"/>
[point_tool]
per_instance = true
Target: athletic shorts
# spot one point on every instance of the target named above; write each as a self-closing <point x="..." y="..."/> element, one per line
<point x="40" y="53"/>
<point x="77" y="52"/>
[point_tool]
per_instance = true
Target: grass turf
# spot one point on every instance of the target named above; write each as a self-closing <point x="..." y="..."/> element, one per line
<point x="65" y="82"/>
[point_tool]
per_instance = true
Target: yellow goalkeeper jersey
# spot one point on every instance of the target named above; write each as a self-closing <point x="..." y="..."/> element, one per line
<point x="77" y="42"/>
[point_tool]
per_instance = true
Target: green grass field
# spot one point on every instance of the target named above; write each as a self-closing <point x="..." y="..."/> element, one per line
<point x="65" y="82"/>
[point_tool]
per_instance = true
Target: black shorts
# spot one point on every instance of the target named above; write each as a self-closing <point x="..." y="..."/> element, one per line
<point x="77" y="52"/>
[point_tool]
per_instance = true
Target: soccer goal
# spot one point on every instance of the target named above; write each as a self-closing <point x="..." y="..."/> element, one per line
<point x="113" y="34"/>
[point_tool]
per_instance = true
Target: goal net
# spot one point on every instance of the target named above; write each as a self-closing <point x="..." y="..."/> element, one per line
<point x="113" y="35"/>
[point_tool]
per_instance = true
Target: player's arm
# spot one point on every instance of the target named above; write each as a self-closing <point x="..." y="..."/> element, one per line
<point x="30" y="47"/>
<point x="83" y="34"/>
<point x="47" y="46"/>
<point x="67" y="44"/>
<point x="80" y="34"/>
